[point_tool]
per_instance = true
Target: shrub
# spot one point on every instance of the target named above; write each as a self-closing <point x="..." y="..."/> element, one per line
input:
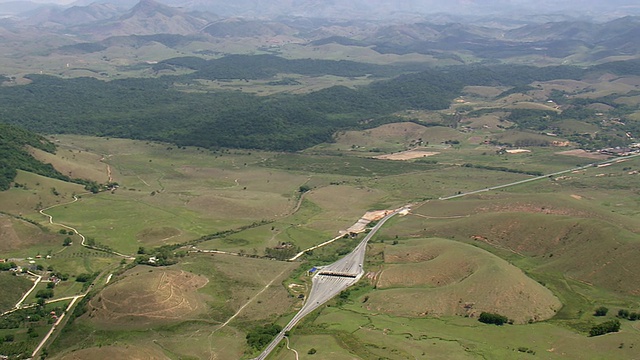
<point x="601" y="311"/>
<point x="260" y="336"/>
<point x="604" y="328"/>
<point x="490" y="318"/>
<point x="84" y="277"/>
<point x="44" y="293"/>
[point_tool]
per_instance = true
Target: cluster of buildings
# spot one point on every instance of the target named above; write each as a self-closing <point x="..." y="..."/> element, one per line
<point x="622" y="151"/>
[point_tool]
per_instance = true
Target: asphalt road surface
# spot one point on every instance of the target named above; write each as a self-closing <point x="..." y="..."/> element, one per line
<point x="332" y="279"/>
<point x="329" y="281"/>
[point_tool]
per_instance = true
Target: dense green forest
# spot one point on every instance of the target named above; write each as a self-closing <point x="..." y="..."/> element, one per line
<point x="266" y="66"/>
<point x="153" y="109"/>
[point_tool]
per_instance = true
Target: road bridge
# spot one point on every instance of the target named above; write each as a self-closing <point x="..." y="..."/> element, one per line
<point x="330" y="281"/>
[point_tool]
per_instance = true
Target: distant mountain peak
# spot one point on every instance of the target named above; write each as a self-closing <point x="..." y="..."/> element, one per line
<point x="150" y="8"/>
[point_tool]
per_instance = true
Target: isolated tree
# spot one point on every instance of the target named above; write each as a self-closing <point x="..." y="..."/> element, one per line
<point x="601" y="311"/>
<point x="490" y="318"/>
<point x="44" y="293"/>
<point x="67" y="241"/>
<point x="623" y="313"/>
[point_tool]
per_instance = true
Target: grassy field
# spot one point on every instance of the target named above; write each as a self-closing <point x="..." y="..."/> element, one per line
<point x="351" y="334"/>
<point x="11" y="289"/>
<point x="550" y="251"/>
<point x="170" y="195"/>
<point x="556" y="248"/>
<point x="177" y="311"/>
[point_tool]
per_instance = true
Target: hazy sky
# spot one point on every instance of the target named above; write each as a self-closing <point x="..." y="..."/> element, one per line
<point x="452" y="6"/>
<point x="573" y="3"/>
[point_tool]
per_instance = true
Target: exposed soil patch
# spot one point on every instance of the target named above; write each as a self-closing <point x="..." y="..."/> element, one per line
<point x="407" y="155"/>
<point x="517" y="151"/>
<point x="144" y="298"/>
<point x="583" y="154"/>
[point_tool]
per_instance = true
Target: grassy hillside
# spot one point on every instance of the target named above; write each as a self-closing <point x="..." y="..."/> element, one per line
<point x="436" y="277"/>
<point x="14" y="154"/>
<point x="11" y="289"/>
<point x="445" y="268"/>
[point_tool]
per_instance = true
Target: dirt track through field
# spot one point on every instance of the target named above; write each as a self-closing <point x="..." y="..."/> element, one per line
<point x="212" y="351"/>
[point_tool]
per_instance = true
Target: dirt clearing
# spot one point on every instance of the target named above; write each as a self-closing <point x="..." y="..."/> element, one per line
<point x="407" y="155"/>
<point x="583" y="154"/>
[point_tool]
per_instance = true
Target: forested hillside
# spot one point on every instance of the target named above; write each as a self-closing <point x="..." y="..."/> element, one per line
<point x="13" y="154"/>
<point x="153" y="109"/>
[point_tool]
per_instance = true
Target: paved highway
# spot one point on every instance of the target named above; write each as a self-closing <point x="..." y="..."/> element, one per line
<point x="608" y="161"/>
<point x="330" y="280"/>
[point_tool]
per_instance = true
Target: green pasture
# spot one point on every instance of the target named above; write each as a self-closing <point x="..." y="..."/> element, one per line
<point x="11" y="289"/>
<point x="37" y="194"/>
<point x="232" y="281"/>
<point x="371" y="336"/>
<point x="116" y="220"/>
<point x="281" y="83"/>
<point x="187" y="340"/>
<point x="343" y="165"/>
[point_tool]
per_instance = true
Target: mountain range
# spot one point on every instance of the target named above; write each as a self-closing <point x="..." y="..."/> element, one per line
<point x="369" y="9"/>
<point x="97" y="25"/>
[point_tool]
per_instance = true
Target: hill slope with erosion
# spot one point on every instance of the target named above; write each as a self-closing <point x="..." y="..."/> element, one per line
<point x="437" y="277"/>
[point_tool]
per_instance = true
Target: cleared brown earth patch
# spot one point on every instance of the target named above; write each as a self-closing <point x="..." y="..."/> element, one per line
<point x="115" y="352"/>
<point x="456" y="279"/>
<point x="583" y="154"/>
<point x="144" y="298"/>
<point x="407" y="155"/>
